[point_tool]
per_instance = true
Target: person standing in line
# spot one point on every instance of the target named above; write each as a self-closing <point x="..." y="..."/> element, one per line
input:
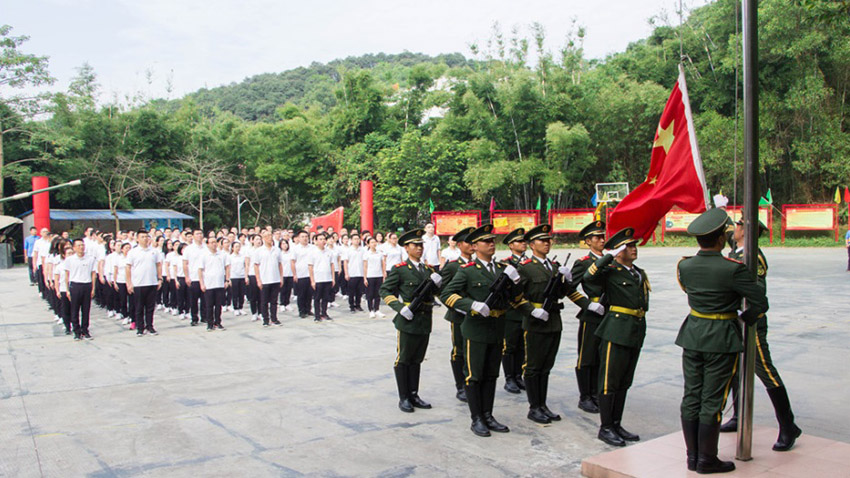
<point x="330" y="245"/>
<point x="454" y="317"/>
<point x="321" y="269"/>
<point x="301" y="274"/>
<point x="513" y="349"/>
<point x="374" y="264"/>
<point x="214" y="275"/>
<point x="29" y="248"/>
<point x="191" y="255"/>
<point x="179" y="274"/>
<point x="431" y="247"/>
<point x="62" y="287"/>
<point x="126" y="303"/>
<point x="144" y="278"/>
<point x="354" y="274"/>
<point x="269" y="271"/>
<point x="286" y="259"/>
<point x="342" y="250"/>
<point x="165" y="291"/>
<point x="109" y="272"/>
<point x="168" y="277"/>
<point x="237" y="277"/>
<point x="41" y="249"/>
<point x="55" y="256"/>
<point x="80" y="274"/>
<point x="224" y="247"/>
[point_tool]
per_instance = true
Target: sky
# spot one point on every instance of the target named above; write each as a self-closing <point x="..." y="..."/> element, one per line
<point x="142" y="46"/>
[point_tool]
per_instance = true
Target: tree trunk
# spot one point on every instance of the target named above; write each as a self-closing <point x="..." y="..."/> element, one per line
<point x="201" y="208"/>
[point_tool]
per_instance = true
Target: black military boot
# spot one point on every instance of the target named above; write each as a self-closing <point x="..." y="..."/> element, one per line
<point x="690" y="428"/>
<point x="535" y="414"/>
<point x="519" y="361"/>
<point x="788" y="430"/>
<point x="606" y="415"/>
<point x="585" y="399"/>
<point x="457" y="371"/>
<point x="544" y="391"/>
<point x="707" y="461"/>
<point x="413" y="387"/>
<point x="594" y="384"/>
<point x="619" y="406"/>
<point x="488" y="393"/>
<point x="731" y="425"/>
<point x="402" y="381"/>
<point x="508" y="366"/>
<point x="473" y="399"/>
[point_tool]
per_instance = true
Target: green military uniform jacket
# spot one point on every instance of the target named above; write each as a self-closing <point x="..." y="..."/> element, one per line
<point x="533" y="279"/>
<point x="447" y="273"/>
<point x="621" y="290"/>
<point x="397" y="291"/>
<point x="593" y="291"/>
<point x="761" y="271"/>
<point x="472" y="283"/>
<point x="715" y="286"/>
<point x="514" y="315"/>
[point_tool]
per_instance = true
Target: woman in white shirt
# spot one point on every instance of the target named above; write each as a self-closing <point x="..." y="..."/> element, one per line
<point x="169" y="280"/>
<point x="374" y="264"/>
<point x="286" y="290"/>
<point x="126" y="304"/>
<point x="354" y="274"/>
<point x="450" y="253"/>
<point x="237" y="277"/>
<point x="109" y="274"/>
<point x="224" y="246"/>
<point x="253" y="288"/>
<point x="62" y="287"/>
<point x="178" y="271"/>
<point x="395" y="253"/>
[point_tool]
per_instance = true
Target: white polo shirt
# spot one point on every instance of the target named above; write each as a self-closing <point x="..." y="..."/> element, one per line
<point x="395" y="255"/>
<point x="59" y="270"/>
<point x="237" y="265"/>
<point x="192" y="253"/>
<point x="374" y="264"/>
<point x="268" y="258"/>
<point x="214" y="266"/>
<point x="301" y="255"/>
<point x="286" y="258"/>
<point x="80" y="268"/>
<point x="355" y="262"/>
<point x="431" y="246"/>
<point x="142" y="262"/>
<point x="42" y="246"/>
<point x="321" y="261"/>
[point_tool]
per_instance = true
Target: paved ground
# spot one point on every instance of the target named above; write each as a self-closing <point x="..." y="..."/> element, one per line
<point x="311" y="399"/>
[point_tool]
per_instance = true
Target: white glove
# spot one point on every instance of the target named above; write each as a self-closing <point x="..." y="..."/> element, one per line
<point x="541" y="314"/>
<point x="596" y="308"/>
<point x="481" y="308"/>
<point x="720" y="200"/>
<point x="566" y="272"/>
<point x="436" y="279"/>
<point x="618" y="250"/>
<point x="406" y="313"/>
<point x="512" y="273"/>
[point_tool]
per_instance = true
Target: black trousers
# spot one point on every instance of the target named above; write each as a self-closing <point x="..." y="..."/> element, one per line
<point x="321" y="297"/>
<point x="213" y="301"/>
<point x="195" y="296"/>
<point x="286" y="291"/>
<point x="65" y="309"/>
<point x="237" y="293"/>
<point x="355" y="292"/>
<point x="182" y="299"/>
<point x="304" y="294"/>
<point x="126" y="303"/>
<point x="373" y="298"/>
<point x="80" y="305"/>
<point x="39" y="275"/>
<point x="145" y="299"/>
<point x="33" y="278"/>
<point x="253" y="295"/>
<point x="228" y="297"/>
<point x="268" y="301"/>
<point x="342" y="283"/>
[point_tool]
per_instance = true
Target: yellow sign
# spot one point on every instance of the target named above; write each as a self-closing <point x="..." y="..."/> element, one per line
<point x="810" y="218"/>
<point x="450" y="224"/>
<point x="504" y="223"/>
<point x="570" y="221"/>
<point x="679" y="220"/>
<point x="735" y="214"/>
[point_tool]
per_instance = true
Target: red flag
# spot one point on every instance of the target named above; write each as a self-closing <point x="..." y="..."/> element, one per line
<point x="675" y="175"/>
<point x="846" y="195"/>
<point x="492" y="207"/>
<point x="334" y="219"/>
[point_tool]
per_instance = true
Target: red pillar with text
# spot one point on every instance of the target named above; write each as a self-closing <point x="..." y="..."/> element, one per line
<point x="366" y="212"/>
<point x="40" y="203"/>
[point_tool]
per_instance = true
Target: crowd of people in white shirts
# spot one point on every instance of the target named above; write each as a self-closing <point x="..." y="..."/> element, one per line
<point x="197" y="276"/>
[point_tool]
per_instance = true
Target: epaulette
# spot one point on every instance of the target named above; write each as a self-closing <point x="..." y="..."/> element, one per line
<point x="585" y="258"/>
<point x="733" y="260"/>
<point x="527" y="261"/>
<point x="401" y="264"/>
<point x="468" y="264"/>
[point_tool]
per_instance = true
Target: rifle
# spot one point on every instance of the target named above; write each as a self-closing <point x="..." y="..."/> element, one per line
<point x="499" y="291"/>
<point x="422" y="292"/>
<point x="550" y="293"/>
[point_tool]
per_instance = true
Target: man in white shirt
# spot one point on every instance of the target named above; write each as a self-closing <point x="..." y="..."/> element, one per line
<point x="354" y="274"/>
<point x="321" y="270"/>
<point x="79" y="276"/>
<point x="268" y="268"/>
<point x="301" y="274"/>
<point x="214" y="277"/>
<point x="144" y="278"/>
<point x="431" y="247"/>
<point x="191" y="255"/>
<point x="41" y="251"/>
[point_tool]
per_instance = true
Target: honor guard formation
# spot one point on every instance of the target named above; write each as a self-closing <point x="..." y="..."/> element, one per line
<point x="503" y="315"/>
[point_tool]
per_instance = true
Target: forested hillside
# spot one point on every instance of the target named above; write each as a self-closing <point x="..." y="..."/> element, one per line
<point x="511" y="120"/>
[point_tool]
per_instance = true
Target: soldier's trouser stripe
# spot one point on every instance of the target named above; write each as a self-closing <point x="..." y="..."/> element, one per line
<point x="607" y="361"/>
<point x="454" y="347"/>
<point x="581" y="345"/>
<point x="764" y="362"/>
<point x="397" y="346"/>
<point x="468" y="364"/>
<point x="728" y="385"/>
<point x="525" y="349"/>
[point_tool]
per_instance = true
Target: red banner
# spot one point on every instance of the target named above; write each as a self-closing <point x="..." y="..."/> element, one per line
<point x="333" y="219"/>
<point x="507" y="220"/>
<point x="810" y="217"/>
<point x="448" y="223"/>
<point x="570" y="221"/>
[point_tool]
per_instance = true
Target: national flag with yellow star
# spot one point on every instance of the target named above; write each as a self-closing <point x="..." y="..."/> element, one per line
<point x="675" y="177"/>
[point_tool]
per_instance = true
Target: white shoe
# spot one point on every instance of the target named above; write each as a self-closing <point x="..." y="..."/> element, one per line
<point x="255" y="317"/>
<point x="371" y="315"/>
<point x="281" y="308"/>
<point x="125" y="321"/>
<point x="380" y="314"/>
<point x="173" y="312"/>
<point x="110" y="314"/>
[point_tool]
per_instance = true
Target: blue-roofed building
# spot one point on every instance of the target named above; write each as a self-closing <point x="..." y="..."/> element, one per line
<point x="79" y="219"/>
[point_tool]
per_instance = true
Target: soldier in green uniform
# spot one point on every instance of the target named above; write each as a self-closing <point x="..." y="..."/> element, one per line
<point x="765" y="370"/>
<point x="413" y="329"/>
<point x="711" y="336"/>
<point x="455" y="318"/>
<point x="590" y="316"/>
<point x="513" y="349"/>
<point x="542" y="326"/>
<point x="483" y="328"/>
<point x="625" y="288"/>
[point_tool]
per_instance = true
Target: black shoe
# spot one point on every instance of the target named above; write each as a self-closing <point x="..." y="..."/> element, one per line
<point x="87" y="335"/>
<point x="493" y="425"/>
<point x="276" y="322"/>
<point x="461" y="395"/>
<point x="610" y="436"/>
<point x="537" y="415"/>
<point x="140" y="333"/>
<point x="690" y="430"/>
<point x="625" y="434"/>
<point x="520" y="382"/>
<point x="153" y="331"/>
<point x="479" y="427"/>
<point x="219" y="327"/>
<point x="194" y="323"/>
<point x="77" y="337"/>
<point x="359" y="309"/>
<point x="730" y="426"/>
<point x="511" y="386"/>
<point x="327" y="318"/>
<point x="588" y="405"/>
<point x="418" y="402"/>
<point x="67" y="331"/>
<point x="302" y="316"/>
<point x="549" y="413"/>
<point x="405" y="405"/>
<point x="707" y="461"/>
<point x="317" y="319"/>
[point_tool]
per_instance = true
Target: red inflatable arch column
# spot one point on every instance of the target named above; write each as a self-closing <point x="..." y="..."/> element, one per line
<point x="40" y="203"/>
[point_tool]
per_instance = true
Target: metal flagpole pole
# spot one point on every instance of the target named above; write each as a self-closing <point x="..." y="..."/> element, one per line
<point x="751" y="197"/>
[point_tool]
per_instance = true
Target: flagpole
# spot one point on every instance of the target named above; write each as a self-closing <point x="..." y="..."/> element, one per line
<point x="751" y="197"/>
